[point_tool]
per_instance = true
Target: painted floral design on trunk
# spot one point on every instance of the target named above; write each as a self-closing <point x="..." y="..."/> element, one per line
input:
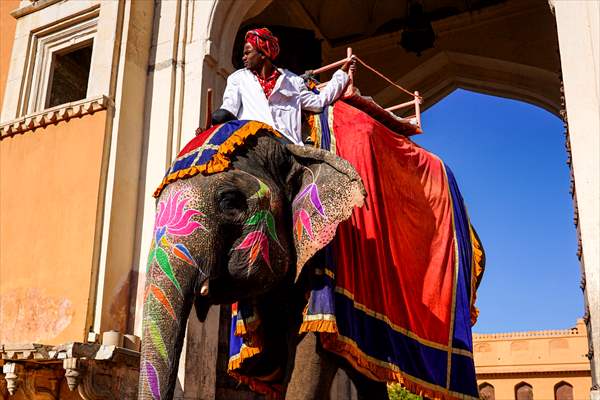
<point x="174" y="220"/>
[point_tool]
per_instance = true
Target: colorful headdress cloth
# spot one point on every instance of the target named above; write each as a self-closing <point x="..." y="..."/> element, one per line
<point x="263" y="40"/>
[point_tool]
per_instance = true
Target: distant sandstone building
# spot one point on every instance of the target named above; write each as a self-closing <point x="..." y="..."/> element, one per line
<point x="540" y="365"/>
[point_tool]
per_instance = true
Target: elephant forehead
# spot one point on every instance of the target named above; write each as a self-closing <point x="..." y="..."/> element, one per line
<point x="203" y="188"/>
<point x="205" y="192"/>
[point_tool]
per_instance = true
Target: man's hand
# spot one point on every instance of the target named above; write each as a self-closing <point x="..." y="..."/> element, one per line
<point x="350" y="65"/>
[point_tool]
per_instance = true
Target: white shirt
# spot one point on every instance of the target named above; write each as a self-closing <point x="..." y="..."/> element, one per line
<point x="245" y="98"/>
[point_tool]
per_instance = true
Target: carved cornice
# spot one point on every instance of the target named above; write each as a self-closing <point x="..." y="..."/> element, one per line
<point x="29" y="351"/>
<point x="35" y="5"/>
<point x="54" y="115"/>
<point x="532" y="374"/>
<point x="95" y="371"/>
<point x="531" y="334"/>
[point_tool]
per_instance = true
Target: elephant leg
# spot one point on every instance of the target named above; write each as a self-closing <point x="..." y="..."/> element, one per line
<point x="166" y="312"/>
<point x="313" y="372"/>
<point x="366" y="389"/>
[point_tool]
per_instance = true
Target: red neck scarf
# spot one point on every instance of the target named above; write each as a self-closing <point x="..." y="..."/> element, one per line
<point x="268" y="84"/>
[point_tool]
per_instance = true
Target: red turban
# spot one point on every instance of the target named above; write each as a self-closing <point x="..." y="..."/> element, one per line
<point x="263" y="40"/>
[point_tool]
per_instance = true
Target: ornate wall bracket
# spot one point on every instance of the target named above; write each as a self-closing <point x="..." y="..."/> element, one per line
<point x="12" y="378"/>
<point x="96" y="372"/>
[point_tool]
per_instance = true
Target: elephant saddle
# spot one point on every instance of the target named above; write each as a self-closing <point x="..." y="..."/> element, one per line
<point x="395" y="292"/>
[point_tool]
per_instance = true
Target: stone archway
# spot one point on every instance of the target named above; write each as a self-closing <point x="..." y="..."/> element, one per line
<point x="446" y="71"/>
<point x="513" y="71"/>
<point x="222" y="24"/>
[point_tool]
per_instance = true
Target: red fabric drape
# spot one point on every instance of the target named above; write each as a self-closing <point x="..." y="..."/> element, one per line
<point x="396" y="254"/>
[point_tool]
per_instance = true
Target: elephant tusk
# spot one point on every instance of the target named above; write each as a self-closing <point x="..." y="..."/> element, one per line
<point x="204" y="288"/>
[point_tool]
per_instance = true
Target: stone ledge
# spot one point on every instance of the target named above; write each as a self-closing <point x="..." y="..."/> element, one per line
<point x="54" y="115"/>
<point x="91" y="351"/>
<point x="532" y="374"/>
<point x="35" y="5"/>
<point x="95" y="371"/>
<point x="575" y="331"/>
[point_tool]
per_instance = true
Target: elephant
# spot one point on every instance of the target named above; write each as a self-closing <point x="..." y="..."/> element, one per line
<point x="228" y="236"/>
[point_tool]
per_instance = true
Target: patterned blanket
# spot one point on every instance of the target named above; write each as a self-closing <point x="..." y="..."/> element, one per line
<point x="209" y="151"/>
<point x="395" y="292"/>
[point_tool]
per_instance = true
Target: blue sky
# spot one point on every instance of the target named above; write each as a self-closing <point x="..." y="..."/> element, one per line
<point x="509" y="159"/>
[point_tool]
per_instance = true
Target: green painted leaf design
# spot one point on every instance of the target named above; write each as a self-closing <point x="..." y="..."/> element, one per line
<point x="256" y="218"/>
<point x="150" y="259"/>
<point x="157" y="340"/>
<point x="263" y="190"/>
<point x="165" y="265"/>
<point x="271" y="226"/>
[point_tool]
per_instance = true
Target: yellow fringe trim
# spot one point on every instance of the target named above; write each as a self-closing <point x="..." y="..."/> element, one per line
<point x="246" y="326"/>
<point x="245" y="353"/>
<point x="322" y="326"/>
<point x="362" y="363"/>
<point x="220" y="161"/>
<point x="315" y="130"/>
<point x="478" y="267"/>
<point x="333" y="145"/>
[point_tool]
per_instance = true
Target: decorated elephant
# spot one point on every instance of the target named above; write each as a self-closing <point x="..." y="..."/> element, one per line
<point x="245" y="219"/>
<point x="225" y="234"/>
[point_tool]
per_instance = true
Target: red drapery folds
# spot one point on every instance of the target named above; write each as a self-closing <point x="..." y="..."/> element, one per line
<point x="394" y="295"/>
<point x="406" y="264"/>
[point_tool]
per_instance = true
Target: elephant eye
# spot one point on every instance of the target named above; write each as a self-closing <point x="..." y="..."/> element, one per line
<point x="232" y="201"/>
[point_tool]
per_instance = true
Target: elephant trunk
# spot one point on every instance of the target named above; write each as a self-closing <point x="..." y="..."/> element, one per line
<point x="166" y="308"/>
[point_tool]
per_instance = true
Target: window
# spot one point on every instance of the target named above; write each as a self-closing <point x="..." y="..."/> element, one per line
<point x="563" y="391"/>
<point x="487" y="392"/>
<point x="69" y="75"/>
<point x="523" y="391"/>
<point x="59" y="62"/>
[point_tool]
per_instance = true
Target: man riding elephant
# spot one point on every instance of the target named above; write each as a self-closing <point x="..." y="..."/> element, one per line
<point x="242" y="215"/>
<point x="263" y="92"/>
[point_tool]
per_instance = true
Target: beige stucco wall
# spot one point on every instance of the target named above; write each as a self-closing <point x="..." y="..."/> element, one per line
<point x="49" y="183"/>
<point x="540" y="358"/>
<point x="543" y="387"/>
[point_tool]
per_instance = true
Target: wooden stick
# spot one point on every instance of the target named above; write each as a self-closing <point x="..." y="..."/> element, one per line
<point x="328" y="67"/>
<point x="418" y="101"/>
<point x="350" y="88"/>
<point x="402" y="105"/>
<point x="208" y="108"/>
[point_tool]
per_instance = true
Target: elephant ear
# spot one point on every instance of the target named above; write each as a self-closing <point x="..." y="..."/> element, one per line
<point x="325" y="189"/>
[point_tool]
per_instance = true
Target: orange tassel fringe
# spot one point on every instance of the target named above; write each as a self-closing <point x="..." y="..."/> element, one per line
<point x="220" y="161"/>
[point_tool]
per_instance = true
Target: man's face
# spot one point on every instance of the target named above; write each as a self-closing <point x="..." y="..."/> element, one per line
<point x="253" y="59"/>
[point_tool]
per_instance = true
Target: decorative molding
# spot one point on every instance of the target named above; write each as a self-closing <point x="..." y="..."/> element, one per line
<point x="43" y="383"/>
<point x="11" y="377"/>
<point x="64" y="112"/>
<point x="530" y="334"/>
<point x="95" y="371"/>
<point x="532" y="374"/>
<point x="72" y="32"/>
<point x="36" y="5"/>
<point x="29" y="351"/>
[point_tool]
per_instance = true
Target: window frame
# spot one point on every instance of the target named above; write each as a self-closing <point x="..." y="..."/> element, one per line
<point x="486" y="384"/>
<point x="45" y="44"/>
<point x="561" y="384"/>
